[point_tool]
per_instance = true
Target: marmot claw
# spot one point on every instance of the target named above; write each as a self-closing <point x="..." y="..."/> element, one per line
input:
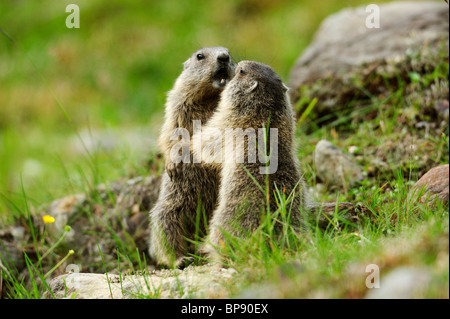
<point x="174" y="169"/>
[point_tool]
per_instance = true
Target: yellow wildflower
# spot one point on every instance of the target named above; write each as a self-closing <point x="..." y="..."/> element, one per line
<point x="48" y="219"/>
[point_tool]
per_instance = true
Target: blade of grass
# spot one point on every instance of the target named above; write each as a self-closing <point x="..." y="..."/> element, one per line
<point x="307" y="111"/>
<point x="106" y="271"/>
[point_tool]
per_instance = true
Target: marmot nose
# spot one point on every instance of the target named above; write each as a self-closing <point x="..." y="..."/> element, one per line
<point x="223" y="57"/>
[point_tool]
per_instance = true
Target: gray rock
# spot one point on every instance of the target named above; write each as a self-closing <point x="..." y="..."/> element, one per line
<point x="335" y="168"/>
<point x="401" y="283"/>
<point x="138" y="194"/>
<point x="442" y="108"/>
<point x="64" y="210"/>
<point x="12" y="253"/>
<point x="200" y="282"/>
<point x="133" y="199"/>
<point x="18" y="233"/>
<point x="96" y="286"/>
<point x="343" y="46"/>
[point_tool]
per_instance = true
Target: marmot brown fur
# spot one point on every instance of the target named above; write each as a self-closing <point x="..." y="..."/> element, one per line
<point x="174" y="221"/>
<point x="254" y="98"/>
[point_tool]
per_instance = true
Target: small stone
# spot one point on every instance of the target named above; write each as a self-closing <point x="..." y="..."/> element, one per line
<point x="334" y="167"/>
<point x="423" y="124"/>
<point x="442" y="108"/>
<point x="18" y="232"/>
<point x="64" y="209"/>
<point x="436" y="185"/>
<point x="135" y="209"/>
<point x="353" y="149"/>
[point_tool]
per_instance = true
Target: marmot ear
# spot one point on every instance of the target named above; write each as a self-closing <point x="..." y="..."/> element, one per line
<point x="252" y="87"/>
<point x="285" y="88"/>
<point x="185" y="64"/>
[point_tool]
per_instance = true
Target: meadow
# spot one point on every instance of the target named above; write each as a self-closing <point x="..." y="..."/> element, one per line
<point x="83" y="107"/>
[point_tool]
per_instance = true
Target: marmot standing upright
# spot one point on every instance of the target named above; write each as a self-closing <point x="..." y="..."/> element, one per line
<point x="254" y="98"/>
<point x="174" y="220"/>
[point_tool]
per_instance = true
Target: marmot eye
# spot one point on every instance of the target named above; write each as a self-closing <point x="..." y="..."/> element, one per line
<point x="200" y="56"/>
<point x="242" y="71"/>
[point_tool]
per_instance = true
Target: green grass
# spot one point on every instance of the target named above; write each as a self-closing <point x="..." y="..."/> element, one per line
<point x="331" y="263"/>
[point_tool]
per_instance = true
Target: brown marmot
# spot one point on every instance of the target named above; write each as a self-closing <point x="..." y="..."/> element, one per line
<point x="254" y="98"/>
<point x="188" y="194"/>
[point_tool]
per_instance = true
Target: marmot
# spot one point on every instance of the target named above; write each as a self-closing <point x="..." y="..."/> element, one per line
<point x="254" y="98"/>
<point x="174" y="220"/>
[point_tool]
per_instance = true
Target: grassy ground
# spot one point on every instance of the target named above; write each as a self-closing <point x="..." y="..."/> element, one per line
<point x="397" y="232"/>
<point x="83" y="107"/>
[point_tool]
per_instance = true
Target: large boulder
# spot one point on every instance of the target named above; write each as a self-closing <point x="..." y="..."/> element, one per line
<point x="346" y="56"/>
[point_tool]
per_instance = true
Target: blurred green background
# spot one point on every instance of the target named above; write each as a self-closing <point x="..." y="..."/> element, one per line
<point x="105" y="83"/>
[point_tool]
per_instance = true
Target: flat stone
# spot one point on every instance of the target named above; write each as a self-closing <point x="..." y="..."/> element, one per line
<point x="194" y="281"/>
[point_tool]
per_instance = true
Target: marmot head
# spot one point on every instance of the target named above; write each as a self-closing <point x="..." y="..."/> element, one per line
<point x="207" y="71"/>
<point x="255" y="87"/>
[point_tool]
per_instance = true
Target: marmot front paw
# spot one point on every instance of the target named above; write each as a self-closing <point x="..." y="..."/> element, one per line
<point x="174" y="170"/>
